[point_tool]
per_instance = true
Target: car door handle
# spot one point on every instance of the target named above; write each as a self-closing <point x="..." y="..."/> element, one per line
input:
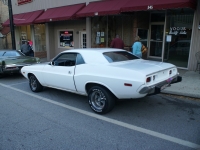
<point x="69" y="72"/>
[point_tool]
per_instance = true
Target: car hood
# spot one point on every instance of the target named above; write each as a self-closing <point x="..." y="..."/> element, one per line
<point x="20" y="60"/>
<point x="143" y="66"/>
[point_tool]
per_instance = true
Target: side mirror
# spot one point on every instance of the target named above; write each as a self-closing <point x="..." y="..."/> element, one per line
<point x="52" y="63"/>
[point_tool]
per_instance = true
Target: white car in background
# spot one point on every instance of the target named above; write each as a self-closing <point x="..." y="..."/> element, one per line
<point x="103" y="74"/>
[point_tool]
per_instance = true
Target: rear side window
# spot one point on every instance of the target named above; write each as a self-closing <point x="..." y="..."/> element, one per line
<point x="119" y="56"/>
<point x="79" y="59"/>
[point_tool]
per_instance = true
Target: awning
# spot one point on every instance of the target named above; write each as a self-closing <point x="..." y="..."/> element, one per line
<point x="24" y="18"/>
<point x="5" y="30"/>
<point x="60" y="13"/>
<point x="101" y="8"/>
<point x="143" y="5"/>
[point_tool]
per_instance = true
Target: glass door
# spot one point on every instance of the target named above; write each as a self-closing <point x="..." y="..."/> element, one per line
<point x="83" y="40"/>
<point x="156" y="40"/>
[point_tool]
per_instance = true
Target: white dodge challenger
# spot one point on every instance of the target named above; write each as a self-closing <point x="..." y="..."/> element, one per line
<point x="103" y="74"/>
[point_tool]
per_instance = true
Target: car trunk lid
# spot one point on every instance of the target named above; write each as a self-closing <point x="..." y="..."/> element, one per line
<point x="143" y="66"/>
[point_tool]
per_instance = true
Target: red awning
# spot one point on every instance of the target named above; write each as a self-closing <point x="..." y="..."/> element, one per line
<point x="101" y="8"/>
<point x="60" y="13"/>
<point x="143" y="5"/>
<point x="5" y="30"/>
<point x="24" y="18"/>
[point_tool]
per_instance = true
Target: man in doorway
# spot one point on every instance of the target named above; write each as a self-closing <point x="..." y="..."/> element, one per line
<point x="117" y="43"/>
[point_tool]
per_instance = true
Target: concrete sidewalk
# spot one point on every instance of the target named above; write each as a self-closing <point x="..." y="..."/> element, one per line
<point x="190" y="85"/>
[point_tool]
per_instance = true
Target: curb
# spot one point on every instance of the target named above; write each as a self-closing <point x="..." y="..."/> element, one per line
<point x="182" y="94"/>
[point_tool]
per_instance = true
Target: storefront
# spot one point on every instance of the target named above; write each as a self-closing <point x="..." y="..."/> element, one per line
<point x="35" y="35"/>
<point x="167" y="33"/>
<point x="27" y="31"/>
<point x="168" y="29"/>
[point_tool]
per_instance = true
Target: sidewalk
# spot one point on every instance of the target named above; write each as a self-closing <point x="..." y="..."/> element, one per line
<point x="189" y="86"/>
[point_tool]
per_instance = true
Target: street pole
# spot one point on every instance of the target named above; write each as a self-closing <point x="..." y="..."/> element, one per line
<point x="12" y="29"/>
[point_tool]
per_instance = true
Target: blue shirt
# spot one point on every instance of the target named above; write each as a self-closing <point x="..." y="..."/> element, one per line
<point x="137" y="46"/>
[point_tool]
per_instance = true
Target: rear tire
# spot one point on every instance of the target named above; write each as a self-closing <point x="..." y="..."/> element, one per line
<point x="100" y="100"/>
<point x="35" y="84"/>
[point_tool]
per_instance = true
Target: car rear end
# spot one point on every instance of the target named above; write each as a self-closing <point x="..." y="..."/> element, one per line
<point x="158" y="81"/>
<point x="13" y="65"/>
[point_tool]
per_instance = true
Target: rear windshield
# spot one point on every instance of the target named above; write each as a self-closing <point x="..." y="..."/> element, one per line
<point x="119" y="56"/>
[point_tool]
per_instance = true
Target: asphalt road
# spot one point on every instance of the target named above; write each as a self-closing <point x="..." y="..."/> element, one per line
<point x="55" y="119"/>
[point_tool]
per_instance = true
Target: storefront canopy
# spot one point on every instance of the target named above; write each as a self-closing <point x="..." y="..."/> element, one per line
<point x="101" y="8"/>
<point x="112" y="7"/>
<point x="142" y="5"/>
<point x="60" y="13"/>
<point x="24" y="18"/>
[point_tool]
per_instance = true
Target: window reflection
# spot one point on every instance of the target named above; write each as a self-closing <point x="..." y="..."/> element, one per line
<point x="179" y="26"/>
<point x="40" y="38"/>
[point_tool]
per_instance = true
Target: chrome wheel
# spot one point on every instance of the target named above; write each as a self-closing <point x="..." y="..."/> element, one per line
<point x="33" y="83"/>
<point x="98" y="99"/>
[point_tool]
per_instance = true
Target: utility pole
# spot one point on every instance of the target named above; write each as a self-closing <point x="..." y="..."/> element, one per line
<point x="12" y="29"/>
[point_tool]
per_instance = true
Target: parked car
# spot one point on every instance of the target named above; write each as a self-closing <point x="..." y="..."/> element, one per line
<point x="103" y="74"/>
<point x="11" y="61"/>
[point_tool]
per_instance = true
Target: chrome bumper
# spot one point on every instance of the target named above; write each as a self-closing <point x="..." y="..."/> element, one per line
<point x="155" y="89"/>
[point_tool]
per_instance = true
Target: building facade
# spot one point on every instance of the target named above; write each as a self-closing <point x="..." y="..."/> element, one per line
<point x="170" y="30"/>
<point x="5" y="36"/>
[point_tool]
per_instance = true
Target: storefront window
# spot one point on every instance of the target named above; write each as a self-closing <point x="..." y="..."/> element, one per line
<point x="178" y="37"/>
<point x="40" y="38"/>
<point x="99" y="31"/>
<point x="24" y="34"/>
<point x="66" y="39"/>
<point x="105" y="28"/>
<point x="143" y="34"/>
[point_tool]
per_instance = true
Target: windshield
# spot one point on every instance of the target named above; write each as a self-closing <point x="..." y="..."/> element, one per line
<point x="10" y="53"/>
<point x="119" y="56"/>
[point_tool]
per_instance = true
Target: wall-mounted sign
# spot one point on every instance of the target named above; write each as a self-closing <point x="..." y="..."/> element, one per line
<point x="98" y="33"/>
<point x="177" y="30"/>
<point x="66" y="39"/>
<point x="150" y="7"/>
<point x="168" y="38"/>
<point x="21" y="2"/>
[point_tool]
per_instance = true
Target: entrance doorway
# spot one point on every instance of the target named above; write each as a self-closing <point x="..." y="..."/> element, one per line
<point x="83" y="40"/>
<point x="156" y="41"/>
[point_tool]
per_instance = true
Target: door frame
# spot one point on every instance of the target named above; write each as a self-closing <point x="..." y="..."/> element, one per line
<point x="81" y="38"/>
<point x="163" y="45"/>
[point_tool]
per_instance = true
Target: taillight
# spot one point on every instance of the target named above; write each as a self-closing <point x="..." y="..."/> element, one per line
<point x="148" y="79"/>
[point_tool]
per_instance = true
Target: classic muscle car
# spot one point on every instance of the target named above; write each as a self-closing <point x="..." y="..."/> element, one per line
<point x="103" y="74"/>
<point x="11" y="61"/>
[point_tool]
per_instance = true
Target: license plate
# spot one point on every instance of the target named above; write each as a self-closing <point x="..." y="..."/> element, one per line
<point x="163" y="87"/>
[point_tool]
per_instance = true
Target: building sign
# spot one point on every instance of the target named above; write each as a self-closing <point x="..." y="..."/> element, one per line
<point x="66" y="39"/>
<point x="149" y="7"/>
<point x="177" y="30"/>
<point x="21" y="2"/>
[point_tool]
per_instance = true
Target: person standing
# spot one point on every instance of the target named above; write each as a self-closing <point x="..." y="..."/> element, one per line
<point x="25" y="48"/>
<point x="117" y="43"/>
<point x="136" y="48"/>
